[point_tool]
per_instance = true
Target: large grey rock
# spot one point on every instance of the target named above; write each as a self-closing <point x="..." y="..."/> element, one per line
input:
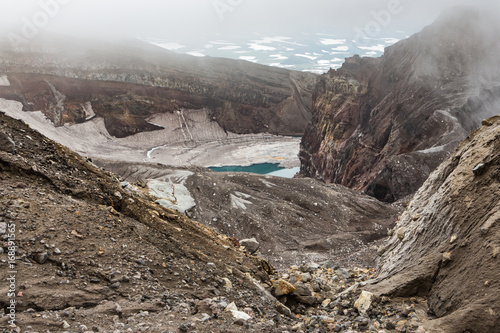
<point x="251" y="245"/>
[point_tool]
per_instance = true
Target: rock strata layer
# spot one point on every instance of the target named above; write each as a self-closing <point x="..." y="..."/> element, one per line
<point x="73" y="81"/>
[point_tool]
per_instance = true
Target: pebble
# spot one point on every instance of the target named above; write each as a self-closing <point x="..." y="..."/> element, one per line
<point x="41" y="257"/>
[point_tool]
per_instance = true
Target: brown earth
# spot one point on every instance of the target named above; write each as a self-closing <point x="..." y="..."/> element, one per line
<point x="382" y="125"/>
<point x="91" y="253"/>
<point x="446" y="245"/>
<point x="128" y="81"/>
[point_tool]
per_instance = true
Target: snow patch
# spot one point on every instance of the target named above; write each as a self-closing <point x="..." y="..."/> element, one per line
<point x="196" y="54"/>
<point x="89" y="112"/>
<point x="268" y="184"/>
<point x="172" y="192"/>
<point x="432" y="150"/>
<point x="4" y="81"/>
<point x="239" y="203"/>
<point x="172" y="46"/>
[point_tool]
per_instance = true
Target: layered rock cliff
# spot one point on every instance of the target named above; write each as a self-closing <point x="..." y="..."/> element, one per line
<point x="446" y="244"/>
<point x="382" y="125"/>
<point x="72" y="81"/>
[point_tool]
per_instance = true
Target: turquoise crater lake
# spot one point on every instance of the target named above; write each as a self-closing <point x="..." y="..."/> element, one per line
<point x="272" y="169"/>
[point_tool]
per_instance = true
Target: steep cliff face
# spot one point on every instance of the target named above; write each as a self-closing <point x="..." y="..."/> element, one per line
<point x="382" y="125"/>
<point x="446" y="244"/>
<point x="125" y="83"/>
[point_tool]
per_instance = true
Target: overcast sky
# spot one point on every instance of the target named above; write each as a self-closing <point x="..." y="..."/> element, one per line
<point x="190" y="19"/>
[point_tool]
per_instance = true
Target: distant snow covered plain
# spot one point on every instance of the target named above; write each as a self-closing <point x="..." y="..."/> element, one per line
<point x="315" y="53"/>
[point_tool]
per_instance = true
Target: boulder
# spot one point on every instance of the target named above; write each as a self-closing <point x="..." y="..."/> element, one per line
<point x="251" y="245"/>
<point x="364" y="302"/>
<point x="282" y="287"/>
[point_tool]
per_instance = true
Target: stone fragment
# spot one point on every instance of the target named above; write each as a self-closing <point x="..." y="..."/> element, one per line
<point x="283" y="309"/>
<point x="479" y="169"/>
<point x="309" y="268"/>
<point x="302" y="290"/>
<point x="282" y="287"/>
<point x="306" y="277"/>
<point x="342" y="273"/>
<point x="231" y="307"/>
<point x="401" y="233"/>
<point x="240" y="315"/>
<point x="3" y="228"/>
<point x="308" y="300"/>
<point x="330" y="264"/>
<point x="326" y="302"/>
<point x="41" y="257"/>
<point x="364" y="302"/>
<point x="251" y="245"/>
<point x="227" y="283"/>
<point x="6" y="143"/>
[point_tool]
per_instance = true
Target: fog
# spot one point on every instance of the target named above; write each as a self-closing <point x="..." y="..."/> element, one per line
<point x="187" y="20"/>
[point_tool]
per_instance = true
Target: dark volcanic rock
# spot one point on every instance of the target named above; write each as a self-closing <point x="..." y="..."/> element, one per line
<point x="128" y="82"/>
<point x="449" y="251"/>
<point x="382" y="125"/>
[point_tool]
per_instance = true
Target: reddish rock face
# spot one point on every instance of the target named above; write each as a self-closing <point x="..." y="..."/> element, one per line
<point x="382" y="125"/>
<point x="126" y="83"/>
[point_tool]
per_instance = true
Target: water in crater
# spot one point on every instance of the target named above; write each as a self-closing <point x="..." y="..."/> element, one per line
<point x="272" y="169"/>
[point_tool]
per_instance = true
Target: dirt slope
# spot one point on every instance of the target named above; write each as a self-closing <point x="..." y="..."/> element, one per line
<point x="294" y="220"/>
<point x="94" y="256"/>
<point x="446" y="245"/>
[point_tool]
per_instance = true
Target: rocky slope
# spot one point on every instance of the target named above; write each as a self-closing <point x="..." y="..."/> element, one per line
<point x="293" y="220"/>
<point x="91" y="255"/>
<point x="126" y="82"/>
<point x="382" y="125"/>
<point x="84" y="251"/>
<point x="446" y="244"/>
